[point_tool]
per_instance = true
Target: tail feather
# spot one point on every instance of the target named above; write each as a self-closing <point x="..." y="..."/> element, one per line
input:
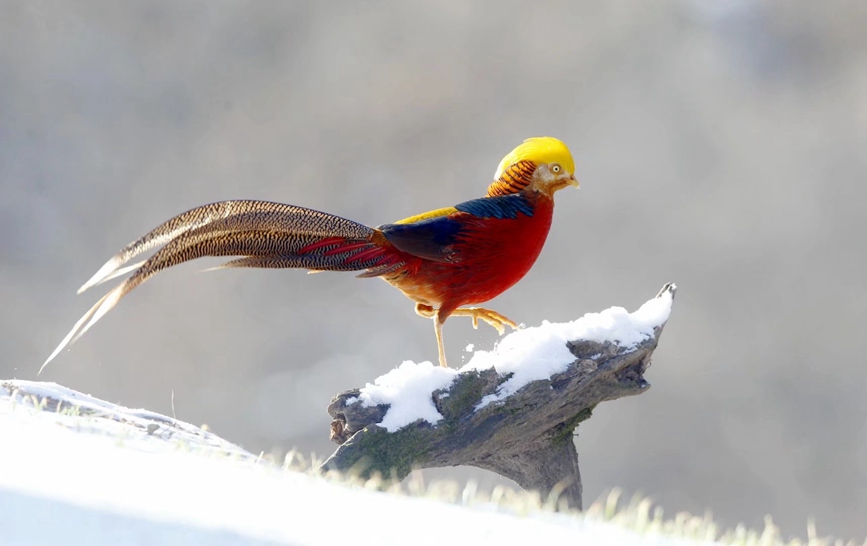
<point x="378" y="270"/>
<point x="299" y="219"/>
<point x="263" y="234"/>
<point x="120" y="272"/>
<point x="316" y="264"/>
<point x="71" y="336"/>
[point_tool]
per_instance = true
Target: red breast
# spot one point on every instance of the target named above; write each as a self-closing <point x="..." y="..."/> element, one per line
<point x="494" y="255"/>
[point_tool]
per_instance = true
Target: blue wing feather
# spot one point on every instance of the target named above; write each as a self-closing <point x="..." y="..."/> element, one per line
<point x="432" y="238"/>
<point x="501" y="207"/>
<point x="428" y="239"/>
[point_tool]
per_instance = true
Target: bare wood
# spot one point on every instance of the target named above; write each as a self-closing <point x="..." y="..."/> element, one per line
<point x="527" y="438"/>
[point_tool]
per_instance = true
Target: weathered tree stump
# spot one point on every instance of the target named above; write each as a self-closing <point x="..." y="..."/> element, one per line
<point x="527" y="437"/>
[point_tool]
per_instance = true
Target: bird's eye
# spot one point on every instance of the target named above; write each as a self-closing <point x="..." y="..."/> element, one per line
<point x="555" y="168"/>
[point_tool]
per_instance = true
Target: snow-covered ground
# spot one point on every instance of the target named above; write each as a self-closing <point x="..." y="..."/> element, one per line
<point x="106" y="475"/>
<point x="76" y="469"/>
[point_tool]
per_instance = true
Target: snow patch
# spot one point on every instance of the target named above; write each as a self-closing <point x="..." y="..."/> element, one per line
<point x="407" y="389"/>
<point x="540" y="352"/>
<point x="148" y="431"/>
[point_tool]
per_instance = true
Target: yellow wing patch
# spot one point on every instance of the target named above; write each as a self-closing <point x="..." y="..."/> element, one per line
<point x="428" y="215"/>
<point x="539" y="150"/>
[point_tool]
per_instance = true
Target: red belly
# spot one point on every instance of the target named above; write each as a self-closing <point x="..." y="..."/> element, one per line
<point x="495" y="254"/>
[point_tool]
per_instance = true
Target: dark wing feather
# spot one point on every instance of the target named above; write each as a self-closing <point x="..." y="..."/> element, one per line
<point x="501" y="207"/>
<point x="430" y="239"/>
<point x="434" y="238"/>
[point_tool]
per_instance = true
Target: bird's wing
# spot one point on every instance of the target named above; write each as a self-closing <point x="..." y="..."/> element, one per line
<point x="502" y="207"/>
<point x="432" y="235"/>
<point x="428" y="236"/>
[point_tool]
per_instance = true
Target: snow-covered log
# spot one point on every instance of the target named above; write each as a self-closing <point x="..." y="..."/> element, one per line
<point x="513" y="410"/>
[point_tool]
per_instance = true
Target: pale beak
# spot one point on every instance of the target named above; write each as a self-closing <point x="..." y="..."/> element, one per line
<point x="573" y="182"/>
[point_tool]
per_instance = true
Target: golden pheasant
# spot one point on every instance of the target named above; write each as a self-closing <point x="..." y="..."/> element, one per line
<point x="443" y="260"/>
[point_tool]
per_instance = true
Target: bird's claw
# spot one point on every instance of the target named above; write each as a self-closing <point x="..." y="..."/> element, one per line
<point x="496" y="320"/>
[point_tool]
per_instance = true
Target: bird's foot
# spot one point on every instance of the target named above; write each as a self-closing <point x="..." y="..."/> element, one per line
<point x="496" y="320"/>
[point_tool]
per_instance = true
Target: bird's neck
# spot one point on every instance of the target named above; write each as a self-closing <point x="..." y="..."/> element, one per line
<point x="513" y="180"/>
<point x="538" y="199"/>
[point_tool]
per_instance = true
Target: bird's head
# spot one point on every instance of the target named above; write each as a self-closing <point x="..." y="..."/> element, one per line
<point x="543" y="164"/>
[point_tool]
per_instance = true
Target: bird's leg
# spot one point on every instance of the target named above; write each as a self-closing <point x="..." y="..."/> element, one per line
<point x="498" y="321"/>
<point x="438" y="328"/>
<point x="427" y="311"/>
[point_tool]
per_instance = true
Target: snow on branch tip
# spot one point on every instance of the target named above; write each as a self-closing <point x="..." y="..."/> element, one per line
<point x="529" y="354"/>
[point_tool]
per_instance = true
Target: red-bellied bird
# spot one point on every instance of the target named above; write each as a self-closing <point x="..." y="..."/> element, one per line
<point x="447" y="260"/>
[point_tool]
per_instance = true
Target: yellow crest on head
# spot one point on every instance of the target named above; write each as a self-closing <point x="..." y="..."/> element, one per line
<point x="539" y="150"/>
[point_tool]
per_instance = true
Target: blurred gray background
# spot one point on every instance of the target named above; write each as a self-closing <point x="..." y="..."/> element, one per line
<point x="720" y="144"/>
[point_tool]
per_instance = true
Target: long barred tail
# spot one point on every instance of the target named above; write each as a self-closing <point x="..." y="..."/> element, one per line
<point x="263" y="234"/>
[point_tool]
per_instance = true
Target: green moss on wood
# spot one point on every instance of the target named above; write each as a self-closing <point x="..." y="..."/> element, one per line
<point x="565" y="430"/>
<point x="463" y="395"/>
<point x="375" y="450"/>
